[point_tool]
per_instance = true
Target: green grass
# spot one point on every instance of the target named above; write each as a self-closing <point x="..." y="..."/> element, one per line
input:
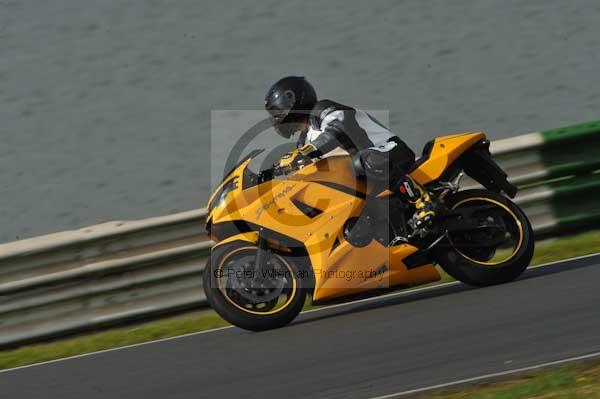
<point x="569" y="382"/>
<point x="567" y="247"/>
<point x="548" y="251"/>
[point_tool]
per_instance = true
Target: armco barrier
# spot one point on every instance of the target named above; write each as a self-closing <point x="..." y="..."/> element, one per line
<point x="101" y="275"/>
<point x="556" y="171"/>
<point x="110" y="273"/>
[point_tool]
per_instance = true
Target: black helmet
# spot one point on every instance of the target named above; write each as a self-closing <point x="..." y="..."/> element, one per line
<point x="289" y="102"/>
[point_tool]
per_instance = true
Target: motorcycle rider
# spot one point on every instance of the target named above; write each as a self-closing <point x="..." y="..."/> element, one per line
<point x="327" y="128"/>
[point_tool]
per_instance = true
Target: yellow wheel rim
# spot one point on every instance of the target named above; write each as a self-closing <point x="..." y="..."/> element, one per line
<point x="280" y="259"/>
<point x="518" y="224"/>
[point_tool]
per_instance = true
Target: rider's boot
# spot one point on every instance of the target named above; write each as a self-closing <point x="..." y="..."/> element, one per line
<point x="421" y="199"/>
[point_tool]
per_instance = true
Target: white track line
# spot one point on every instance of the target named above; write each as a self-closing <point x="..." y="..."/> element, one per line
<point x="115" y="349"/>
<point x="365" y="300"/>
<point x="487" y="376"/>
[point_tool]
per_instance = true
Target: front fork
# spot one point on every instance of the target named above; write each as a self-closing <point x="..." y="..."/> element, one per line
<point x="261" y="259"/>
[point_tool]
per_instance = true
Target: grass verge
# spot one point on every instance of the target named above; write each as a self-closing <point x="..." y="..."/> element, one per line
<point x="548" y="251"/>
<point x="569" y="382"/>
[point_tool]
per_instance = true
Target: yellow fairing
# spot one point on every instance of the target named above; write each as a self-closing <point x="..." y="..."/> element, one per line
<point x="349" y="270"/>
<point x="330" y="187"/>
<point x="235" y="174"/>
<point x="445" y="150"/>
<point x="271" y="204"/>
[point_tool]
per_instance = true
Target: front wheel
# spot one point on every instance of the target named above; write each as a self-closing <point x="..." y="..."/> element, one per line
<point x="498" y="247"/>
<point x="250" y="298"/>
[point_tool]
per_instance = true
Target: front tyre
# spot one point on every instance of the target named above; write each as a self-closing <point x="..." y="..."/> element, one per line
<point x="497" y="250"/>
<point x="253" y="299"/>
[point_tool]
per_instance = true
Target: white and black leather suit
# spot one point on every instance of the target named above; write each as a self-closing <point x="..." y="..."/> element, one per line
<point x="337" y="129"/>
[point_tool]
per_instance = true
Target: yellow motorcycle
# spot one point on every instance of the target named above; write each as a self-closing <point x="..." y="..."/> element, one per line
<point x="281" y="238"/>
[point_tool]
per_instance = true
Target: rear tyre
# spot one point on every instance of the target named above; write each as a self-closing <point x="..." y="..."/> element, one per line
<point x="467" y="257"/>
<point x="249" y="299"/>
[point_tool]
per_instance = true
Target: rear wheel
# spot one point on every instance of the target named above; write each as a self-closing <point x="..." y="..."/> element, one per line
<point x="497" y="249"/>
<point x="250" y="298"/>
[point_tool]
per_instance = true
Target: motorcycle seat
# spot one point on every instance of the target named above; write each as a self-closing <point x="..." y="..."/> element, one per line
<point x="424" y="156"/>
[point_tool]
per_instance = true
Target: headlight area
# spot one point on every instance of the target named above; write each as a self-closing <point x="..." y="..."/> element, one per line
<point x="221" y="195"/>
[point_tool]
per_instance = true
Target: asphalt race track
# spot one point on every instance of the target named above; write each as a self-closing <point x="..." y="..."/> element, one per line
<point x="360" y="350"/>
